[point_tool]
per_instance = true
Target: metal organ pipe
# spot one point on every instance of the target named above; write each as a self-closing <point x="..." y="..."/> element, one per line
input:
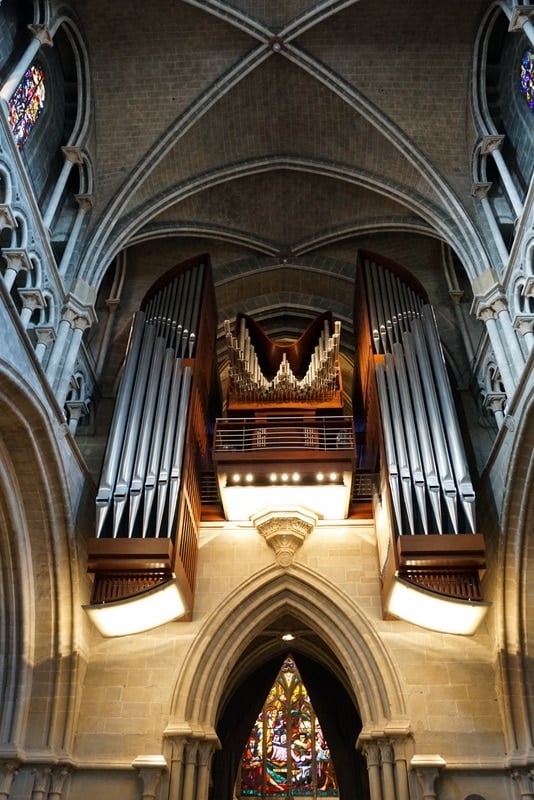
<point x="118" y="424"/>
<point x="400" y="444"/>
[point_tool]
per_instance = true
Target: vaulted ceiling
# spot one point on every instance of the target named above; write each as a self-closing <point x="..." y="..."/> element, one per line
<point x="280" y="138"/>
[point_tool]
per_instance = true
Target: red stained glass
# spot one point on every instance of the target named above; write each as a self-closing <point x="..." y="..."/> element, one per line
<point x="286" y="754"/>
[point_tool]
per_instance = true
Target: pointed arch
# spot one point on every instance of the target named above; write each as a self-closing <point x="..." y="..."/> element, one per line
<point x="36" y="656"/>
<point x="331" y="614"/>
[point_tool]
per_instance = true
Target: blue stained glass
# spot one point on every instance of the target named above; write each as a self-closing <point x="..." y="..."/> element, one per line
<point x="26" y="104"/>
<point x="527" y="77"/>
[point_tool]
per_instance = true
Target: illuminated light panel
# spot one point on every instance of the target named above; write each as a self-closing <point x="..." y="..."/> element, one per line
<point x="327" y="501"/>
<point x="140" y="613"/>
<point x="434" y="611"/>
<point x="288" y="637"/>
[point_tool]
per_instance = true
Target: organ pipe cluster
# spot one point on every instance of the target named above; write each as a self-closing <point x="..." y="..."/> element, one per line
<point x="431" y="489"/>
<point x="142" y="471"/>
<point x="250" y="384"/>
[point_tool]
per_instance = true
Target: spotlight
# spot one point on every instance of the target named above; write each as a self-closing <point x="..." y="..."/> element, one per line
<point x="284" y="476"/>
<point x="296" y="477"/>
<point x="236" y="478"/>
<point x="274" y="477"/>
<point x="320" y="476"/>
<point x="249" y="477"/>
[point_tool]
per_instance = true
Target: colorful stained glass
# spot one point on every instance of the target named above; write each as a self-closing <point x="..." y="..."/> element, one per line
<point x="26" y="104"/>
<point x="527" y="77"/>
<point x="286" y="754"/>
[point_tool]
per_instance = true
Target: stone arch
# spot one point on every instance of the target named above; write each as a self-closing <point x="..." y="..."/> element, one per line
<point x="37" y="584"/>
<point x="331" y="614"/>
<point x="516" y="621"/>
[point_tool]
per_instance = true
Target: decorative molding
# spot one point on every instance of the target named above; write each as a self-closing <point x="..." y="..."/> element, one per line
<point x="490" y="143"/>
<point x="520" y="15"/>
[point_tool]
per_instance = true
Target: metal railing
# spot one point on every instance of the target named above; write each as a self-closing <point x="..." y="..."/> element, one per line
<point x="241" y="435"/>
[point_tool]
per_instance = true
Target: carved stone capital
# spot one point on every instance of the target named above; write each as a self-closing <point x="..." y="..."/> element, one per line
<point x="456" y="295"/>
<point x="285" y="530"/>
<point x="73" y="154"/>
<point x="480" y="190"/>
<point x="85" y="201"/>
<point x="490" y="143"/>
<point x="32" y="298"/>
<point x="520" y="15"/>
<point x="7" y="220"/>
<point x="42" y="33"/>
<point x="17" y="258"/>
<point x="524" y="323"/>
<point x="8" y="770"/>
<point x="495" y="401"/>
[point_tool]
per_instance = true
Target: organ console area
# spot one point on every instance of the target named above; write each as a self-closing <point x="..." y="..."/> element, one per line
<point x="285" y="443"/>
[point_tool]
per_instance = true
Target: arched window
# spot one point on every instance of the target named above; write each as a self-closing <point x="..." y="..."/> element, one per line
<point x="527" y="77"/>
<point x="26" y="104"/>
<point x="286" y="754"/>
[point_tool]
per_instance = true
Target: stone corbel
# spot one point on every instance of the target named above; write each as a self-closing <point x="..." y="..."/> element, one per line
<point x="427" y="769"/>
<point x="285" y="531"/>
<point x="7" y="220"/>
<point x="150" y="770"/>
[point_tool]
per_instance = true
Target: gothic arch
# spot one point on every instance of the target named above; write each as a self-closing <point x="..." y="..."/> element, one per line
<point x="37" y="584"/>
<point x="331" y="614"/>
<point x="516" y="630"/>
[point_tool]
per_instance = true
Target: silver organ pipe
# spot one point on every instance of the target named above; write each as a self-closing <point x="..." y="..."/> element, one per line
<point x="118" y="424"/>
<point x="142" y="469"/>
<point x="249" y="384"/>
<point x="424" y="452"/>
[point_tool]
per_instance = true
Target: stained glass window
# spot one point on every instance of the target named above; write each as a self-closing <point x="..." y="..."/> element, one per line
<point x="286" y="754"/>
<point x="26" y="104"/>
<point x="527" y="77"/>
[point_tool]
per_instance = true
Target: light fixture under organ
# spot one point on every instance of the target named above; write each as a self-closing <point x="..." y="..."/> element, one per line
<point x="428" y="545"/>
<point x="148" y="500"/>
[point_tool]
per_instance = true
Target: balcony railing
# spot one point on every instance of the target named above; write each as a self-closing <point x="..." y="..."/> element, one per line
<point x="317" y="434"/>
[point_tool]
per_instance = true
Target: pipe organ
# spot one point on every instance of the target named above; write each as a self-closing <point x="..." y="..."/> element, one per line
<point x="406" y="408"/>
<point x="147" y="505"/>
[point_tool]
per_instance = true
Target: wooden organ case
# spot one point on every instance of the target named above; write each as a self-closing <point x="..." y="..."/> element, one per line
<point x="148" y="500"/>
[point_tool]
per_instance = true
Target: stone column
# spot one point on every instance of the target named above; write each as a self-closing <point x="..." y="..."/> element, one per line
<point x="79" y="324"/>
<point x="190" y="770"/>
<point x="40" y="783"/>
<point x="150" y="770"/>
<point x="57" y="782"/>
<point x="205" y="753"/>
<point x="59" y="344"/>
<point x="491" y="146"/>
<point x="17" y="259"/>
<point x="372" y="755"/>
<point x="45" y="334"/>
<point x="480" y="191"/>
<point x="41" y="36"/>
<point x="388" y="778"/>
<point x="524" y="783"/>
<point x="500" y="305"/>
<point x="488" y="316"/>
<point x="178" y="744"/>
<point x="76" y="409"/>
<point x="31" y="299"/>
<point x="72" y="156"/>
<point x="8" y="770"/>
<point x="495" y="401"/>
<point x="85" y="204"/>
